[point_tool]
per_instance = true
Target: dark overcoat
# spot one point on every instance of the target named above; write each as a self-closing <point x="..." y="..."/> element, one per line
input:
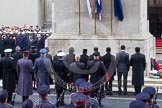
<point x="138" y="63"/>
<point x="24" y="72"/>
<point x="43" y="68"/>
<point x="17" y="55"/>
<point x="62" y="71"/>
<point x="9" y="73"/>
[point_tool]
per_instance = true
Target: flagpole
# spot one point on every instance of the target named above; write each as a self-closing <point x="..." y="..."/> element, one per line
<point x="95" y="31"/>
<point x="111" y="9"/>
<point x="79" y="25"/>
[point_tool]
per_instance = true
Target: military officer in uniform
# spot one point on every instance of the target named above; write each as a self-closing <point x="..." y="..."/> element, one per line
<point x="61" y="73"/>
<point x="96" y="76"/>
<point x="43" y="95"/>
<point x="3" y="100"/>
<point x="143" y="97"/>
<point x="24" y="72"/>
<point x="9" y="73"/>
<point x="137" y="104"/>
<point x="27" y="104"/>
<point x="152" y="92"/>
<point x="43" y="69"/>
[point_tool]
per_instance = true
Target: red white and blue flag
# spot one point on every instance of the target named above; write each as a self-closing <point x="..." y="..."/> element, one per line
<point x="91" y="6"/>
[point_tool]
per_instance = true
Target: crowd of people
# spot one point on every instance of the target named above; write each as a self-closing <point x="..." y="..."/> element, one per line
<point x="89" y="76"/>
<point x="25" y="36"/>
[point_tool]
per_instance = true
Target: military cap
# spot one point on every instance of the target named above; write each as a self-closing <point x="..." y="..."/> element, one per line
<point x="149" y="90"/>
<point x="8" y="50"/>
<point x="43" y="89"/>
<point x="61" y="54"/>
<point x="85" y="87"/>
<point x="27" y="104"/>
<point x="43" y="51"/>
<point x="78" y="98"/>
<point x="96" y="54"/>
<point x="137" y="104"/>
<point x="32" y="47"/>
<point x="69" y="106"/>
<point x="79" y="81"/>
<point x="3" y="95"/>
<point x="26" y="53"/>
<point x="71" y="49"/>
<point x="142" y="96"/>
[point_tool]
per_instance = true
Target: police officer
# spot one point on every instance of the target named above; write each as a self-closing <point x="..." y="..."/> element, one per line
<point x="3" y="100"/>
<point x="61" y="73"/>
<point x="143" y="97"/>
<point x="152" y="92"/>
<point x="9" y="73"/>
<point x="77" y="64"/>
<point x="43" y="69"/>
<point x="24" y="72"/>
<point x="86" y="88"/>
<point x="96" y="76"/>
<point x="43" y="95"/>
<point x="137" y="104"/>
<point x="27" y="104"/>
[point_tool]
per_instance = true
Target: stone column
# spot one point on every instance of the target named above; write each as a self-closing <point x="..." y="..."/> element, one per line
<point x="53" y="17"/>
<point x="48" y="10"/>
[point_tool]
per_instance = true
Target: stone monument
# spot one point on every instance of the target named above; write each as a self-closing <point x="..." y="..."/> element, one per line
<point x="72" y="26"/>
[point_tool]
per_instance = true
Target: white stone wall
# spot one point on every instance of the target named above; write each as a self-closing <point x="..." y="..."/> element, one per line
<point x="66" y="17"/>
<point x="20" y="12"/>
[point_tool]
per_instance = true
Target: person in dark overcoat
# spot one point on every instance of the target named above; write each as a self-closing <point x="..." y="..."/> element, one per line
<point x="84" y="59"/>
<point x="40" y="41"/>
<point x="9" y="73"/>
<point x="110" y="64"/>
<point x="77" y="64"/>
<point x="97" y="76"/>
<point x="138" y="63"/>
<point x="24" y="71"/>
<point x="43" y="69"/>
<point x="17" y="55"/>
<point x="122" y="61"/>
<point x="61" y="71"/>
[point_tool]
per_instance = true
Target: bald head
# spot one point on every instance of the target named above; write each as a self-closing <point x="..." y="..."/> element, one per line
<point x="77" y="58"/>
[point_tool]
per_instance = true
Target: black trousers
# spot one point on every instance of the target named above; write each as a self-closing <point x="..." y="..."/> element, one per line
<point x="24" y="98"/>
<point x="9" y="97"/>
<point x="124" y="81"/>
<point x="60" y="96"/>
<point x="108" y="86"/>
<point x="137" y="89"/>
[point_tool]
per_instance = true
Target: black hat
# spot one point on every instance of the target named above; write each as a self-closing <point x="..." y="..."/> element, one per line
<point x="142" y="96"/>
<point x="149" y="90"/>
<point x="137" y="104"/>
<point x="84" y="50"/>
<point x="96" y="54"/>
<point x="27" y="104"/>
<point x="3" y="95"/>
<point x="43" y="89"/>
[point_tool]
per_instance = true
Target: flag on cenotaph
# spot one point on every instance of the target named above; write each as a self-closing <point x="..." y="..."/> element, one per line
<point x="91" y="8"/>
<point x="118" y="10"/>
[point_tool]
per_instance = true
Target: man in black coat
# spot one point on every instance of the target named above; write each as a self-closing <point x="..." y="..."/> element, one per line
<point x="138" y="63"/>
<point x="9" y="73"/>
<point x="61" y="72"/>
<point x="17" y="55"/>
<point x="122" y="60"/>
<point x="97" y="76"/>
<point x="109" y="62"/>
<point x="84" y="59"/>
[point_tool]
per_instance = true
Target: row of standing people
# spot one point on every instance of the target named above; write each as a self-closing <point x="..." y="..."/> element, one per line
<point x="91" y="64"/>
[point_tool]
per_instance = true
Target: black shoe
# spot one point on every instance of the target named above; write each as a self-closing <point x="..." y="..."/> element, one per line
<point x="125" y="93"/>
<point x="119" y="93"/>
<point x="101" y="106"/>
